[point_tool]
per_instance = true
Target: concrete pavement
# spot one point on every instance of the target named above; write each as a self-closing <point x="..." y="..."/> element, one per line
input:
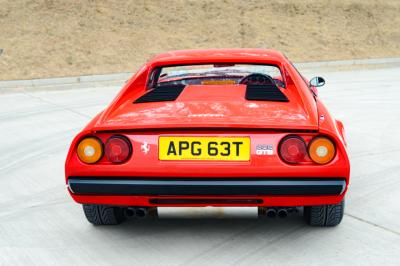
<point x="41" y="225"/>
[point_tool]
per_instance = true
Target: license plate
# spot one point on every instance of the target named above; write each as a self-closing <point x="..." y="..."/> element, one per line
<point x="204" y="148"/>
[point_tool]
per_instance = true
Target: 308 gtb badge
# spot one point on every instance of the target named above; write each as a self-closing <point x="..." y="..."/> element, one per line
<point x="230" y="127"/>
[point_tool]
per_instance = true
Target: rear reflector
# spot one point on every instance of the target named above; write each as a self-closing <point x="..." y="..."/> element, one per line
<point x="161" y="201"/>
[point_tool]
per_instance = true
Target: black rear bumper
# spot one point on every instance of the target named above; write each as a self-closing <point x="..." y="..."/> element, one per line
<point x="203" y="187"/>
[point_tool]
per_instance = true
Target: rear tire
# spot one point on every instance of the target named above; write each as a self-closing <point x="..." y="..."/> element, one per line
<point x="103" y="214"/>
<point x="324" y="215"/>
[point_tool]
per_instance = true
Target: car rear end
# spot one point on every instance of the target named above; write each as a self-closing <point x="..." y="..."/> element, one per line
<point x="208" y="168"/>
<point x="208" y="144"/>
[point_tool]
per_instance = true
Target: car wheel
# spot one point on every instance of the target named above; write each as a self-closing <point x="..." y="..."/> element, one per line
<point x="324" y="215"/>
<point x="103" y="214"/>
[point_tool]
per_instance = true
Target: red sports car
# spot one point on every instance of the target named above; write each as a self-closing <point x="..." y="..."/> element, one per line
<point x="224" y="127"/>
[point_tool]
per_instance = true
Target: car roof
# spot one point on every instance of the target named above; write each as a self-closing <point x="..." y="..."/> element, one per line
<point x="245" y="55"/>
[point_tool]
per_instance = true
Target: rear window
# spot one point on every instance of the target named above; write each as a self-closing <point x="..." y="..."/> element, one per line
<point x="216" y="74"/>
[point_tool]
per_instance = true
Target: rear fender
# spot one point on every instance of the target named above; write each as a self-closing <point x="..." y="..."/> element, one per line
<point x="339" y="125"/>
<point x="335" y="129"/>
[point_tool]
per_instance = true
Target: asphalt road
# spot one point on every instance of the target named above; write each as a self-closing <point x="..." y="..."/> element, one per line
<point x="41" y="225"/>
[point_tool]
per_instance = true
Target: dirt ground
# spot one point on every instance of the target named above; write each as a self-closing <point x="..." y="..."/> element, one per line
<point x="49" y="38"/>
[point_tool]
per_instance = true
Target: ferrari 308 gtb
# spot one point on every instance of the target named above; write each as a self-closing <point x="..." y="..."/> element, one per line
<point x="223" y="127"/>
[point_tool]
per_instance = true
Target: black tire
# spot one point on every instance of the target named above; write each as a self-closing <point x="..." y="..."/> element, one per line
<point x="103" y="214"/>
<point x="324" y="215"/>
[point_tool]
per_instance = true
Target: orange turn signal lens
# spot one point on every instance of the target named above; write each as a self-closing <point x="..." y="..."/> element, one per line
<point x="90" y="150"/>
<point x="321" y="150"/>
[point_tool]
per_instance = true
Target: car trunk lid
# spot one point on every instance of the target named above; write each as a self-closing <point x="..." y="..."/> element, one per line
<point x="212" y="106"/>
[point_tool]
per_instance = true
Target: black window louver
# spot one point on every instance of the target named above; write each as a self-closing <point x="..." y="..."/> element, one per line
<point x="161" y="94"/>
<point x="265" y="93"/>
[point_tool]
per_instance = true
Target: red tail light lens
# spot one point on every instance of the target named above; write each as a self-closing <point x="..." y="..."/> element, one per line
<point x="118" y="149"/>
<point x="293" y="149"/>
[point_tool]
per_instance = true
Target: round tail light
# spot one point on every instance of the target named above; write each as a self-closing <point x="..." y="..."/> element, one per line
<point x="293" y="149"/>
<point x="90" y="150"/>
<point x="321" y="150"/>
<point x="118" y="149"/>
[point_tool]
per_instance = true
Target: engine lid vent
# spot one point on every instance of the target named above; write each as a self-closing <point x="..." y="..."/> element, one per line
<point x="265" y="93"/>
<point x="161" y="94"/>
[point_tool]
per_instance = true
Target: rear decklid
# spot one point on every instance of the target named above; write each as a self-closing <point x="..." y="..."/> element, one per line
<point x="212" y="106"/>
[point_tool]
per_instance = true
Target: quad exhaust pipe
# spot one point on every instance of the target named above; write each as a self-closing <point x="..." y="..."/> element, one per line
<point x="270" y="213"/>
<point x="130" y="212"/>
<point x="142" y="212"/>
<point x="273" y="212"/>
<point x="281" y="212"/>
<point x="138" y="212"/>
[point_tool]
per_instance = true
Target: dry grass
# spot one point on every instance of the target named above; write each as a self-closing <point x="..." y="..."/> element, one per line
<point x="43" y="38"/>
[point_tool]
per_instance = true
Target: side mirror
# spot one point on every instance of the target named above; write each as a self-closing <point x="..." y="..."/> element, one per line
<point x="317" y="82"/>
